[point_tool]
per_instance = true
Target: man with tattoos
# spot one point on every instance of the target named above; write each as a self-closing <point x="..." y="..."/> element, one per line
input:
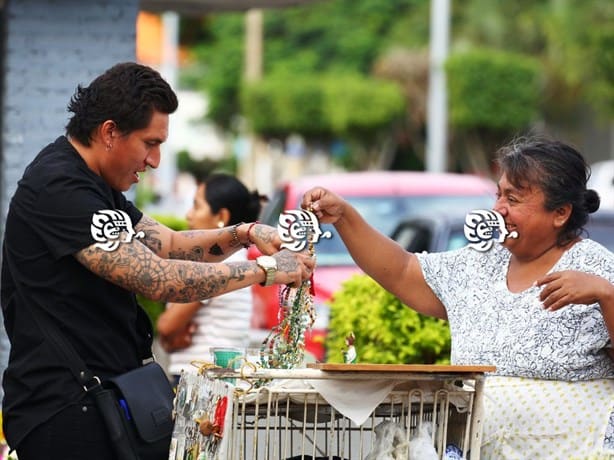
<point x="77" y="251"/>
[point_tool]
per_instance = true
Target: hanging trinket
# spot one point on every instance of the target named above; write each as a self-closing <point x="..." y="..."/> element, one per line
<point x="284" y="347"/>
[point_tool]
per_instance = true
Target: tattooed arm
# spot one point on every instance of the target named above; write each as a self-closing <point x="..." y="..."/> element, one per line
<point x="136" y="268"/>
<point x="205" y="245"/>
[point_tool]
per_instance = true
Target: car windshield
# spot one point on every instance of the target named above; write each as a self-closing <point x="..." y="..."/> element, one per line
<point x="457" y="239"/>
<point x="385" y="212"/>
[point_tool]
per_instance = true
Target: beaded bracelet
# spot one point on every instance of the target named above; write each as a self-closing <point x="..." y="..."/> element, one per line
<point x="235" y="236"/>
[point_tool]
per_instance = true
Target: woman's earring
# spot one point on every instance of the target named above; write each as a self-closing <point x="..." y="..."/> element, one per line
<point x="220" y="224"/>
<point x="109" y="146"/>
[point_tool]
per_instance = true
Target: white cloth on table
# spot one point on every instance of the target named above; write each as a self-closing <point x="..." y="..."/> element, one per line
<point x="355" y="399"/>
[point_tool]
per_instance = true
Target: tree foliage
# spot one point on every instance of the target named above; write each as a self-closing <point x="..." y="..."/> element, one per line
<point x="348" y="106"/>
<point x="493" y="89"/>
<point x="327" y="37"/>
<point x="570" y="39"/>
<point x="277" y="106"/>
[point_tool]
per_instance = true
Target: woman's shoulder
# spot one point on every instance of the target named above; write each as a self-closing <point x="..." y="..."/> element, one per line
<point x="590" y="255"/>
<point x="467" y="256"/>
<point x="586" y="246"/>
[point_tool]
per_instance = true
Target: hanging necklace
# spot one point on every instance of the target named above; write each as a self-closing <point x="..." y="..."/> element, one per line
<point x="284" y="346"/>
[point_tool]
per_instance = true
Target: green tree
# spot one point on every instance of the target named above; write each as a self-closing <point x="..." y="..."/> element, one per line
<point x="493" y="95"/>
<point x="357" y="109"/>
<point x="572" y="40"/>
<point x="304" y="40"/>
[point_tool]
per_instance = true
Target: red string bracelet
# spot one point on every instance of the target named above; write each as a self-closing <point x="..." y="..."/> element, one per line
<point x="249" y="229"/>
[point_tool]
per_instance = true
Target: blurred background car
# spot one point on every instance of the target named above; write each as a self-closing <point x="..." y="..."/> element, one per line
<point x="602" y="180"/>
<point x="600" y="227"/>
<point x="383" y="198"/>
<point x="432" y="232"/>
<point x="437" y="232"/>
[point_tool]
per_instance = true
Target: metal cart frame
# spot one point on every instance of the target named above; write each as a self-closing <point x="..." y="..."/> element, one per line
<point x="275" y="422"/>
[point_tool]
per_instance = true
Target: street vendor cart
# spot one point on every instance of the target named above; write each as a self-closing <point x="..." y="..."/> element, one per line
<point x="330" y="411"/>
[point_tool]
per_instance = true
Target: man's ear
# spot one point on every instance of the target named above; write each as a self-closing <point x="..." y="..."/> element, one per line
<point x="108" y="131"/>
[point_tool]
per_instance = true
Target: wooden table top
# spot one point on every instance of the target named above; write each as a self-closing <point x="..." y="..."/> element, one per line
<point x="409" y="368"/>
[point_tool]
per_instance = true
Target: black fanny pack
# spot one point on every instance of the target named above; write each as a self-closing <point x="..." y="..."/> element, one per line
<point x="137" y="408"/>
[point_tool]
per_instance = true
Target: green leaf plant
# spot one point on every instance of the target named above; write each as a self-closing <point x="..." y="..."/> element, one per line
<point x="386" y="330"/>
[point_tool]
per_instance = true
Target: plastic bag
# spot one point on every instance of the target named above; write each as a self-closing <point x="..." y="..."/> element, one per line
<point x="390" y="443"/>
<point x="421" y="445"/>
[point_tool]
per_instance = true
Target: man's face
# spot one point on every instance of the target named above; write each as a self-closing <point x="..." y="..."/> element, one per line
<point x="131" y="154"/>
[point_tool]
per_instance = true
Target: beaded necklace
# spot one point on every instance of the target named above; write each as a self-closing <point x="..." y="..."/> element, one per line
<point x="284" y="346"/>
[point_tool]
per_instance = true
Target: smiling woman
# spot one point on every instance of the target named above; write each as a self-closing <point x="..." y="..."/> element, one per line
<point x="539" y="307"/>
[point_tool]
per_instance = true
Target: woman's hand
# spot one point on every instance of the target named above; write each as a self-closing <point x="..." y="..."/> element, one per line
<point x="178" y="340"/>
<point x="567" y="287"/>
<point x="326" y="205"/>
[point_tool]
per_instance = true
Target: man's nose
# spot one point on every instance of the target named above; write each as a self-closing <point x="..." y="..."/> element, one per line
<point x="153" y="159"/>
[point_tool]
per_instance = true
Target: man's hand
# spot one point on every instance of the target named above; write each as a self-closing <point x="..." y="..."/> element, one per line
<point x="264" y="237"/>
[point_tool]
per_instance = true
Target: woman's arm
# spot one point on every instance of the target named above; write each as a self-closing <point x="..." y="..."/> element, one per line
<point x="176" y="326"/>
<point x="397" y="270"/>
<point x="177" y="317"/>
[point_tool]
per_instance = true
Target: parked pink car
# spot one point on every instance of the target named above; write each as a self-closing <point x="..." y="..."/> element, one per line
<point x="384" y="198"/>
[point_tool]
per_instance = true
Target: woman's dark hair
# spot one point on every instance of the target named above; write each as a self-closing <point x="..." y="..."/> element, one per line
<point x="127" y="93"/>
<point x="560" y="171"/>
<point x="226" y="191"/>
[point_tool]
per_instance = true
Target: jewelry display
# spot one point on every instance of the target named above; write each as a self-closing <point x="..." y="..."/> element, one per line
<point x="284" y="347"/>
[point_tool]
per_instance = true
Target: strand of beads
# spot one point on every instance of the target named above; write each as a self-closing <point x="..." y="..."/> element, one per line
<point x="284" y="346"/>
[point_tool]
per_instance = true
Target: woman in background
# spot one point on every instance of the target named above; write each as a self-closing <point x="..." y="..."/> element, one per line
<point x="188" y="330"/>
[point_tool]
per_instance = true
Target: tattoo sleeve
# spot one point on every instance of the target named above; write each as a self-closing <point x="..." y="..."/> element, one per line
<point x="136" y="268"/>
<point x="195" y="245"/>
<point x="151" y="229"/>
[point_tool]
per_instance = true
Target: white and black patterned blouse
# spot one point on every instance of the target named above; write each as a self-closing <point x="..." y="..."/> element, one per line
<point x="492" y="326"/>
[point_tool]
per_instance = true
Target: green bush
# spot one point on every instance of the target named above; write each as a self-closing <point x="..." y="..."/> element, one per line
<point x="360" y="107"/>
<point x="386" y="331"/>
<point x="326" y="107"/>
<point x="493" y="89"/>
<point x="278" y="106"/>
<point x="152" y="307"/>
